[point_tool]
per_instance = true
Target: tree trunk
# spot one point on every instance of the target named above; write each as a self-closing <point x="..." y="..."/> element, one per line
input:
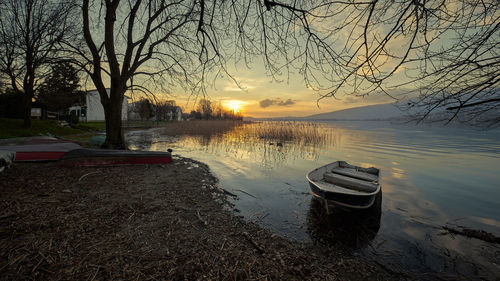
<point x="113" y="113"/>
<point x="27" y="109"/>
<point x="27" y="112"/>
<point x="114" y="131"/>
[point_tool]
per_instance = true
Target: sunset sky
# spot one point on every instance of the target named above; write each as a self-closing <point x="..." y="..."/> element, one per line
<point x="261" y="97"/>
<point x="338" y="56"/>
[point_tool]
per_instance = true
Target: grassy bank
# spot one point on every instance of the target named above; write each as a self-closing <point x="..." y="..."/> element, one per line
<point x="13" y="128"/>
<point x="91" y="126"/>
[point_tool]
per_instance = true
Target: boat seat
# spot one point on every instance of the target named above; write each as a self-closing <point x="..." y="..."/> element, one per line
<point x="350" y="183"/>
<point x="353" y="173"/>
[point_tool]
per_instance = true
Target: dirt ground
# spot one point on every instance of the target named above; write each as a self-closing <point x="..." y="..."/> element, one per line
<point x="143" y="222"/>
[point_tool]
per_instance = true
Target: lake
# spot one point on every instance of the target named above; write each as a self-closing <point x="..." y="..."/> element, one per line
<point x="432" y="177"/>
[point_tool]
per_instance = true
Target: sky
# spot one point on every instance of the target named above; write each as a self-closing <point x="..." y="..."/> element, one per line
<point x="261" y="97"/>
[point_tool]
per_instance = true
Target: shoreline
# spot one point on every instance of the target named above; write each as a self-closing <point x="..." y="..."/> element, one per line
<point x="147" y="222"/>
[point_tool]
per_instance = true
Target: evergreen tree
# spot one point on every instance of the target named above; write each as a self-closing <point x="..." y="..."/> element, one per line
<point x="60" y="90"/>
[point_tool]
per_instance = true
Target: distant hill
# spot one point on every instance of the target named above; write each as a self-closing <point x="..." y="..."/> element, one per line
<point x="371" y="112"/>
<point x="389" y="112"/>
<point x="386" y="111"/>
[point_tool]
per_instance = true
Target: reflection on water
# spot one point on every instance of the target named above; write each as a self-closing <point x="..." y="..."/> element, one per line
<point x="343" y="229"/>
<point x="431" y="177"/>
<point x="262" y="142"/>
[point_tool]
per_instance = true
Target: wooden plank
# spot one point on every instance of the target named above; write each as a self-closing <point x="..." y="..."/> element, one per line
<point x="351" y="183"/>
<point x="355" y="174"/>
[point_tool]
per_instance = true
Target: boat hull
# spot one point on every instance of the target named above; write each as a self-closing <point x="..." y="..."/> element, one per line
<point x="42" y="149"/>
<point x="343" y="200"/>
<point x="29" y="156"/>
<point x="347" y="197"/>
<point x="108" y="157"/>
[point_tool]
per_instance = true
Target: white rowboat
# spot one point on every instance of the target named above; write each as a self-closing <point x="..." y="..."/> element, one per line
<point x="345" y="185"/>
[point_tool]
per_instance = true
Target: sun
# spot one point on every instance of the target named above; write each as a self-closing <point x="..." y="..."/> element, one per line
<point x="234" y="105"/>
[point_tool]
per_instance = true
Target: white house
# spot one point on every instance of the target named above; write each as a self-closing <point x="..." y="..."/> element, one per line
<point x="93" y="110"/>
<point x="176" y="114"/>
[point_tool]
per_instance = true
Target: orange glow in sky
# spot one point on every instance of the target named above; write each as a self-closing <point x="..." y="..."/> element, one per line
<point x="234" y="105"/>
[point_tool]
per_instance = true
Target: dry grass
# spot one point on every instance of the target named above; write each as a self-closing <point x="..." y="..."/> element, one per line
<point x="299" y="132"/>
<point x="145" y="223"/>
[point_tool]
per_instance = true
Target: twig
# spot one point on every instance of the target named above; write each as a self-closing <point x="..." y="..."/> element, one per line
<point x="245" y="193"/>
<point x="6" y="216"/>
<point x="253" y="242"/>
<point x="227" y="192"/>
<point x="281" y="259"/>
<point x="131" y="216"/>
<point x="82" y="177"/>
<point x="177" y="207"/>
<point x="34" y="268"/>
<point x="264" y="216"/>
<point x="199" y="217"/>
<point x="43" y="256"/>
<point x="390" y="270"/>
<point x="95" y="274"/>
<point x="46" y="270"/>
<point x="19" y="258"/>
<point x="473" y="233"/>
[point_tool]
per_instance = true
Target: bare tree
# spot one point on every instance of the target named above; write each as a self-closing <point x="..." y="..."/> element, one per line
<point x="441" y="54"/>
<point x="438" y="56"/>
<point x="30" y="33"/>
<point x="164" y="109"/>
<point x="134" y="42"/>
<point x="144" y="109"/>
<point x="206" y="108"/>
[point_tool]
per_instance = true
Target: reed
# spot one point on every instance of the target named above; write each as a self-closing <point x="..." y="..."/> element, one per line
<point x="301" y="133"/>
<point x="289" y="131"/>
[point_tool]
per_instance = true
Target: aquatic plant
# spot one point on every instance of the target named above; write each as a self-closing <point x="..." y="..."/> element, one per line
<point x="305" y="133"/>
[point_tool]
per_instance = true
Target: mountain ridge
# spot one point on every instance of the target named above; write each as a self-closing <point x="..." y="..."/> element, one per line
<point x="381" y="112"/>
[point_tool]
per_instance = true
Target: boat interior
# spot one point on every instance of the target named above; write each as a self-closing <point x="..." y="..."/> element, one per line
<point x="343" y="177"/>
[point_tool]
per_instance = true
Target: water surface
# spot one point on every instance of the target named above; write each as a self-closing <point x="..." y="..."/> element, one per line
<point x="431" y="177"/>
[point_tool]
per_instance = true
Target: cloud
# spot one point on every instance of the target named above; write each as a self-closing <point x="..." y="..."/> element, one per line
<point x="269" y="102"/>
<point x="266" y="103"/>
